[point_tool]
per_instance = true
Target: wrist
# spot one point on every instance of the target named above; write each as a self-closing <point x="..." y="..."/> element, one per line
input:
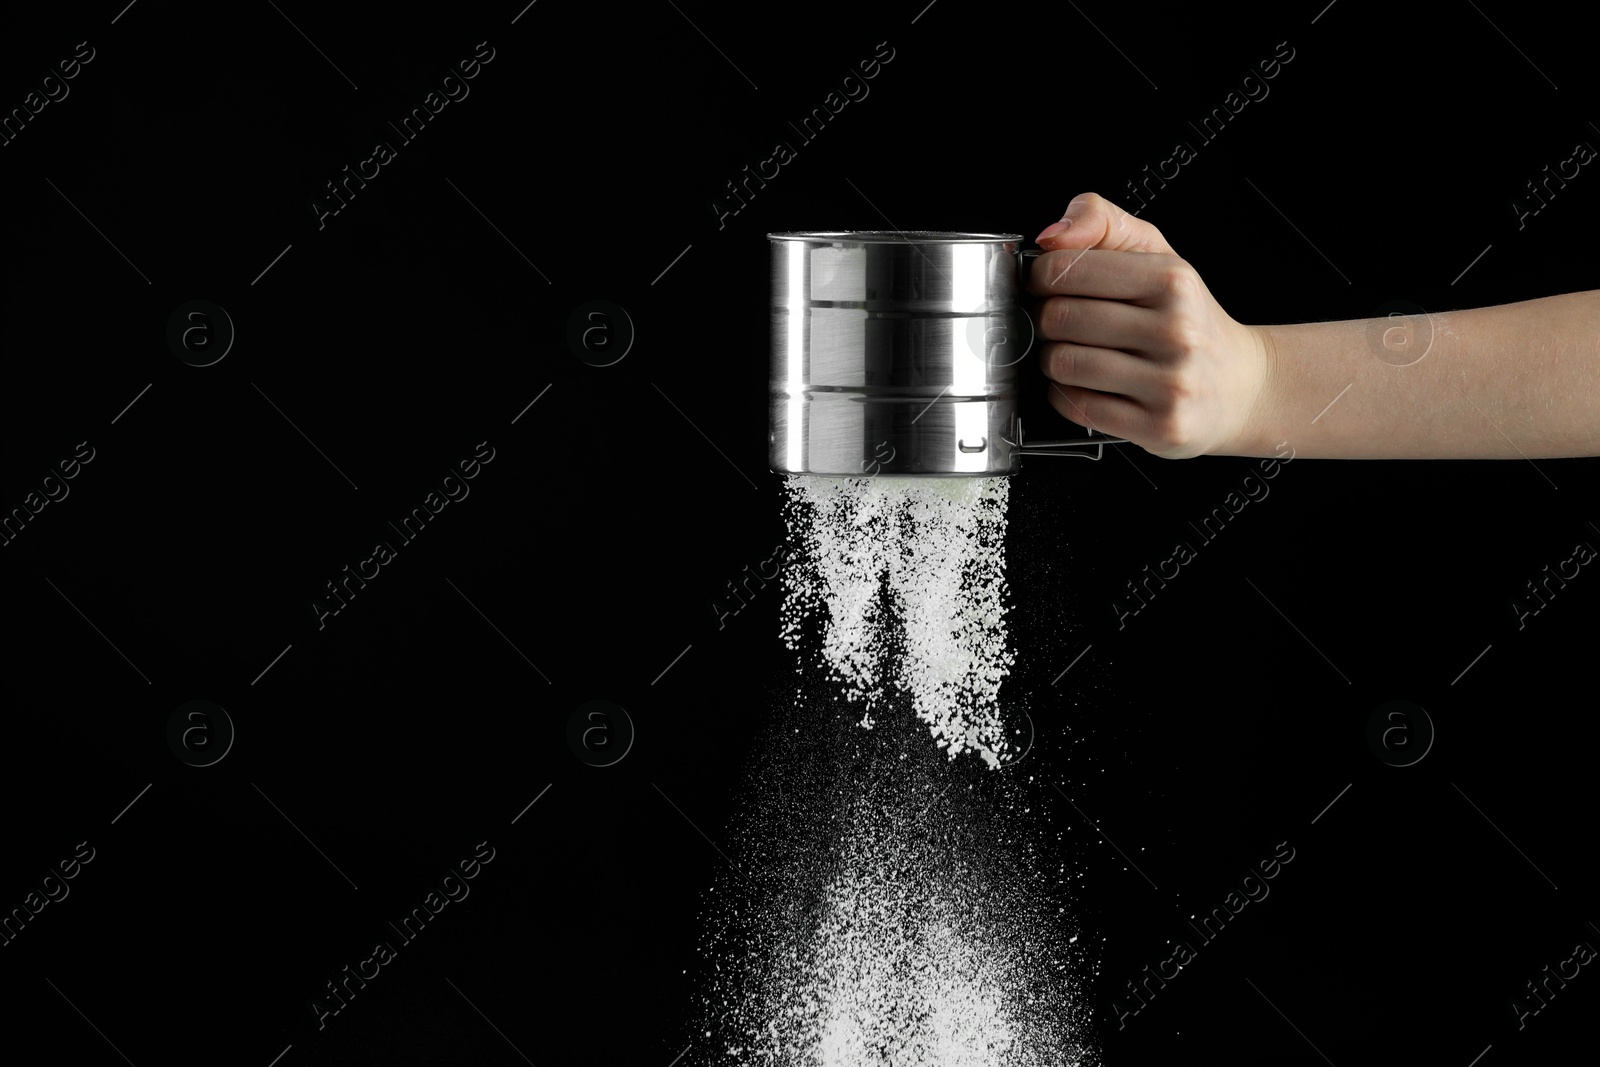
<point x="1258" y="431"/>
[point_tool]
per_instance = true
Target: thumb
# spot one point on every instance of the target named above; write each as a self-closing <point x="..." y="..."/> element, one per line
<point x="1092" y="221"/>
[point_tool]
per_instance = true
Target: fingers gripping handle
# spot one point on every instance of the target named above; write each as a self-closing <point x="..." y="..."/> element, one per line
<point x="1092" y="446"/>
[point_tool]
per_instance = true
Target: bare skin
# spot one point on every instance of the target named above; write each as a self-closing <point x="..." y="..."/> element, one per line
<point x="1138" y="348"/>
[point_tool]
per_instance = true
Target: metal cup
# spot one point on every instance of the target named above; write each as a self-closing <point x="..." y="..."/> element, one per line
<point x="896" y="352"/>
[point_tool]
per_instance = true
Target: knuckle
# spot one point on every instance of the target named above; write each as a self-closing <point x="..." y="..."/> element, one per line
<point x="1171" y="428"/>
<point x="1066" y="360"/>
<point x="1093" y="208"/>
<point x="1179" y="279"/>
<point x="1180" y="392"/>
<point x="1178" y="338"/>
<point x="1053" y="318"/>
<point x="1052" y="267"/>
<point x="1153" y="240"/>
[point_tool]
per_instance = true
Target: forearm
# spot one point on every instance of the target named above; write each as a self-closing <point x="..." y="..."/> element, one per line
<point x="1517" y="380"/>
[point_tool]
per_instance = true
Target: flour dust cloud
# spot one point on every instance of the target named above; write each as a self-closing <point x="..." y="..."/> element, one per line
<point x="890" y="908"/>
<point x="888" y="904"/>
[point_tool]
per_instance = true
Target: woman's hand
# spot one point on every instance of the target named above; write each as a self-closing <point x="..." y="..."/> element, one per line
<point x="1136" y="346"/>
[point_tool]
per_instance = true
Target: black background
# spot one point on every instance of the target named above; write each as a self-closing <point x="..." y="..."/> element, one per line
<point x="1221" y="720"/>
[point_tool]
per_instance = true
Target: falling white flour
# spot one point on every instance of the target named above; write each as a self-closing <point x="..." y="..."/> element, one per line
<point x="906" y="577"/>
<point x="890" y="909"/>
<point x="890" y="906"/>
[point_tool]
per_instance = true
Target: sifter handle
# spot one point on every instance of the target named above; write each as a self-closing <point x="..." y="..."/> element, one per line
<point x="1090" y="448"/>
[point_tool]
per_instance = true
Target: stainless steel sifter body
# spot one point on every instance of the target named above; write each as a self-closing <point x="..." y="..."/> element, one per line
<point x="896" y="352"/>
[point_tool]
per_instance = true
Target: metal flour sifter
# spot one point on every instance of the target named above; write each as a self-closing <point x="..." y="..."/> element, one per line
<point x="896" y="352"/>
